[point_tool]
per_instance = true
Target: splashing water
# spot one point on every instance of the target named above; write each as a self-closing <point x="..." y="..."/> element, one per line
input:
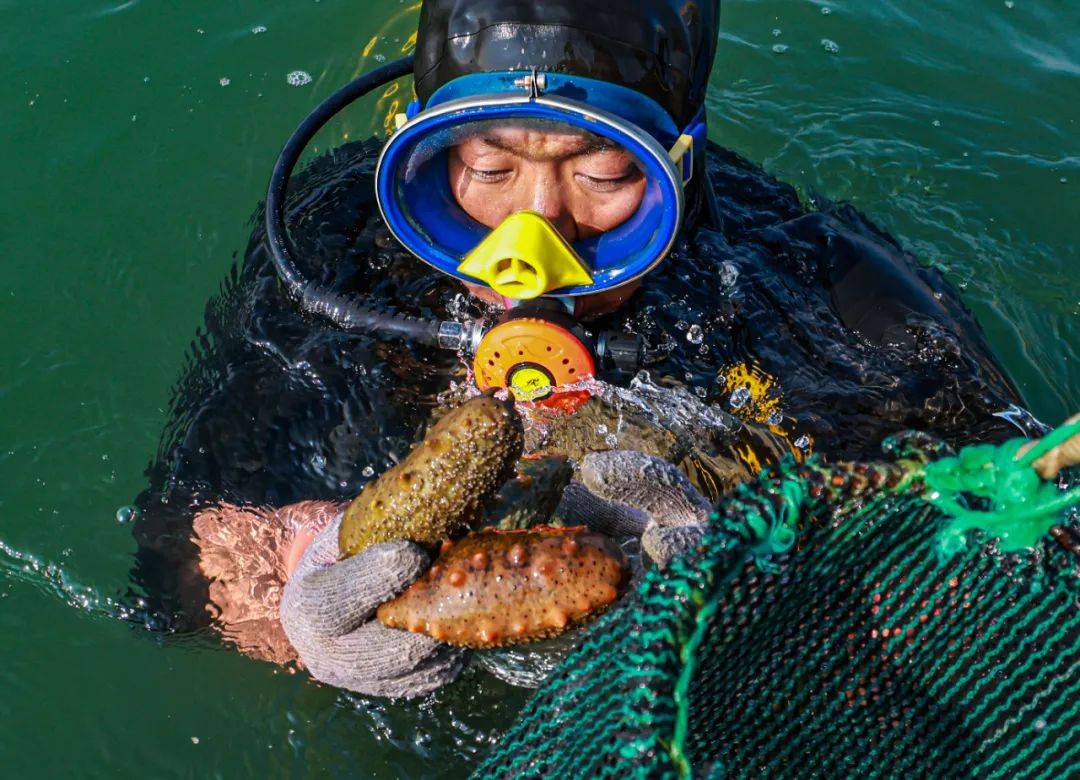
<point x="675" y="408"/>
<point x="51" y="579"/>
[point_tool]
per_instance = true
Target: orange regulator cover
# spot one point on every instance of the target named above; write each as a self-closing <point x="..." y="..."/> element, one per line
<point x="532" y="358"/>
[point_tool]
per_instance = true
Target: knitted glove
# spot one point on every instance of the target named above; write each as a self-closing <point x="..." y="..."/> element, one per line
<point x="627" y="493"/>
<point x="327" y="610"/>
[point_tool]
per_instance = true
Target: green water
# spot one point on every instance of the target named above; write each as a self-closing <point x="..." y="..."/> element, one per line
<point x="131" y="170"/>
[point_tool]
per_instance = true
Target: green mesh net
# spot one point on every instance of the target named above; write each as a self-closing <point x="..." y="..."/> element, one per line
<point x="836" y="622"/>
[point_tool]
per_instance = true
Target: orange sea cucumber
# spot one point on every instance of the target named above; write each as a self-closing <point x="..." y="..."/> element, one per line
<point x="494" y="588"/>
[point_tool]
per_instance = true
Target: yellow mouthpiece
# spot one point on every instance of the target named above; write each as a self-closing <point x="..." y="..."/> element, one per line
<point x="525" y="257"/>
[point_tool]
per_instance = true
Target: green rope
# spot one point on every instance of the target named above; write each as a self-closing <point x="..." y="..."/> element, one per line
<point x="1022" y="507"/>
<point x="689" y="657"/>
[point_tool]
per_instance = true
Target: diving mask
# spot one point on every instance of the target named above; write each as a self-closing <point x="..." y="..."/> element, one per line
<point x="520" y="255"/>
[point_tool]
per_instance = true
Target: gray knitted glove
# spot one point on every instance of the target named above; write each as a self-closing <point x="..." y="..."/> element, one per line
<point x="326" y="612"/>
<point x="624" y="493"/>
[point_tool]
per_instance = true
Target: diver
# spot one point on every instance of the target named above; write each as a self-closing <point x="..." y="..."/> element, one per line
<point x="555" y="164"/>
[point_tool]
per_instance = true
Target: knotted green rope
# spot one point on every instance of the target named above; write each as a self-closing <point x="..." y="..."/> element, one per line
<point x="1022" y="507"/>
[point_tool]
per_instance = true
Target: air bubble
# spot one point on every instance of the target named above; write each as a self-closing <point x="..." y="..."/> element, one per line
<point x="776" y="418"/>
<point x="367" y="471"/>
<point x="258" y="29"/>
<point x="739" y="398"/>
<point x="802" y="442"/>
<point x="298" y="78"/>
<point x="832" y="47"/>
<point x="780" y="48"/>
<point x="682" y="325"/>
<point x="695" y="335"/>
<point x="224" y="81"/>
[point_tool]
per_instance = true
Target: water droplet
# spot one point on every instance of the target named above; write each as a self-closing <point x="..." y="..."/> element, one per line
<point x="258" y="29"/>
<point x="802" y="442"/>
<point x="728" y="272"/>
<point x="739" y="398"/>
<point x="298" y="78"/>
<point x="368" y="471"/>
<point x="832" y="47"/>
<point x="126" y="514"/>
<point x="695" y="335"/>
<point x="780" y="48"/>
<point x="224" y="81"/>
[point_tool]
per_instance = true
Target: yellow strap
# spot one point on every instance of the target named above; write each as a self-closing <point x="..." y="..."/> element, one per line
<point x="682" y="145"/>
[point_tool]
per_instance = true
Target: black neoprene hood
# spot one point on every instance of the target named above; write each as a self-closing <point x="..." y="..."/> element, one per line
<point x="661" y="48"/>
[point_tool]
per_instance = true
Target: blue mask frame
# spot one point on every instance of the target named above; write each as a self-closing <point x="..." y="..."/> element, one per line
<point x="421" y="211"/>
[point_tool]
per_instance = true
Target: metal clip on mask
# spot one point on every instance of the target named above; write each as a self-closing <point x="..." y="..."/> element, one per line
<point x="537" y="346"/>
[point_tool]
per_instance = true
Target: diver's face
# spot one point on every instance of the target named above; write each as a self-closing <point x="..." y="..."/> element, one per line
<point x="582" y="184"/>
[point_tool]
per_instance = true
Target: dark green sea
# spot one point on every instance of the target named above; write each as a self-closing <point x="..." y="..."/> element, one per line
<point x="136" y="138"/>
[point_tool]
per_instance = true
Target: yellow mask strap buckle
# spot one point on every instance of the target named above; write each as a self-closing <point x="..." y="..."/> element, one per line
<point x="682" y="154"/>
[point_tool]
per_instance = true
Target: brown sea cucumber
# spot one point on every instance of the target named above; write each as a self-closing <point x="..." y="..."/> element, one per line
<point x="441" y="486"/>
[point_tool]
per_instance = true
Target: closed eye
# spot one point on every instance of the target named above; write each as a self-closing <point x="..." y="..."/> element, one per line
<point x="488" y="176"/>
<point x="609" y="183"/>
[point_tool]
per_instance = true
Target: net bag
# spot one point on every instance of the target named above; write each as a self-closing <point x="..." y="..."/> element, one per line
<point x="913" y="617"/>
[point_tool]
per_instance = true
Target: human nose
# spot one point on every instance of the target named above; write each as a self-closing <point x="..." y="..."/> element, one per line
<point x="548" y="198"/>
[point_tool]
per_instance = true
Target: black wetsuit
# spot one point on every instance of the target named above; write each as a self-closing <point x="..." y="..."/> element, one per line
<point x="274" y="408"/>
